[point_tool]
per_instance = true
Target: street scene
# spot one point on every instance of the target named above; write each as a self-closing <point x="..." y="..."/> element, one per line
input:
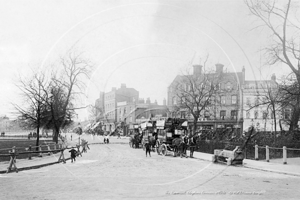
<point x="115" y="171"/>
<point x="151" y="99"/>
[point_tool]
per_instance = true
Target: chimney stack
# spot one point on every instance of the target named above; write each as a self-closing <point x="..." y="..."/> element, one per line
<point x="219" y="68"/>
<point x="273" y="77"/>
<point x="197" y="70"/>
<point x="123" y="85"/>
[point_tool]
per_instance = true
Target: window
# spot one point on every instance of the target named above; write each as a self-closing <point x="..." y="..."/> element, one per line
<point x="248" y="115"/>
<point x="233" y="114"/>
<point x="182" y="114"/>
<point x="256" y="100"/>
<point x="228" y="86"/>
<point x="222" y="114"/>
<point x="206" y="114"/>
<point x="233" y="99"/>
<point x="287" y="114"/>
<point x="174" y="101"/>
<point x="265" y="114"/>
<point x="248" y="100"/>
<point x="255" y="114"/>
<point x="223" y="100"/>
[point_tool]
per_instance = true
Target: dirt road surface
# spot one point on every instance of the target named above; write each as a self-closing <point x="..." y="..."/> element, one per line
<point x="116" y="171"/>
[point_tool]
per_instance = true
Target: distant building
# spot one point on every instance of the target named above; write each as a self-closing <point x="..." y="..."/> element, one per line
<point x="261" y="116"/>
<point x="130" y="113"/>
<point x="107" y="105"/>
<point x="99" y="105"/>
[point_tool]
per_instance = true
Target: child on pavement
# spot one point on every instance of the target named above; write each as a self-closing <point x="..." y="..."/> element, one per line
<point x="148" y="149"/>
<point x="73" y="154"/>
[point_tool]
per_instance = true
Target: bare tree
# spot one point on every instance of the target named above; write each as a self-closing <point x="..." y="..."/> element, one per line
<point x="197" y="95"/>
<point x="290" y="90"/>
<point x="67" y="87"/>
<point x="278" y="17"/>
<point x="267" y="96"/>
<point x="34" y="105"/>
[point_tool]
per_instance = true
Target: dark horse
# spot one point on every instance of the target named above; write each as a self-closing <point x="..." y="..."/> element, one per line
<point x="180" y="146"/>
<point x="135" y="140"/>
<point x="152" y="141"/>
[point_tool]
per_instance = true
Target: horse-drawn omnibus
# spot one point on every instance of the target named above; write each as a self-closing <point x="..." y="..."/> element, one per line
<point x="170" y="135"/>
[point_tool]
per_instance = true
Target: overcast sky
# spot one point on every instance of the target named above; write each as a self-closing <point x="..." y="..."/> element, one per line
<point x="143" y="44"/>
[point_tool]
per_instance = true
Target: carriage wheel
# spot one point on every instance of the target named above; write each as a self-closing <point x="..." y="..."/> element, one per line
<point x="214" y="158"/>
<point x="164" y="149"/>
<point x="229" y="161"/>
<point x="158" y="148"/>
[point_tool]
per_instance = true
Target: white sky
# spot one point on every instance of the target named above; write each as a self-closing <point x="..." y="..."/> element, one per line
<point x="144" y="44"/>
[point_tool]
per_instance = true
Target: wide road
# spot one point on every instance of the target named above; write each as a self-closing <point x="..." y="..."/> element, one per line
<point x="116" y="171"/>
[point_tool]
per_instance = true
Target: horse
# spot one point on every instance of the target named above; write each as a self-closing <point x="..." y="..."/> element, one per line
<point x="152" y="141"/>
<point x="192" y="141"/>
<point x="2" y="134"/>
<point x="179" y="146"/>
<point x="135" y="140"/>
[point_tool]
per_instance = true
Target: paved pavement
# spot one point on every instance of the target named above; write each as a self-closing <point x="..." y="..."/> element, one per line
<point x="273" y="166"/>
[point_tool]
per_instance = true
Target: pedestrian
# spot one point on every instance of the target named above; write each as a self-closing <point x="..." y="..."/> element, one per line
<point x="148" y="149"/>
<point x="71" y="136"/>
<point x="73" y="154"/>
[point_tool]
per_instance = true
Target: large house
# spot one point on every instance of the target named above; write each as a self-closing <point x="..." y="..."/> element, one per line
<point x="226" y="111"/>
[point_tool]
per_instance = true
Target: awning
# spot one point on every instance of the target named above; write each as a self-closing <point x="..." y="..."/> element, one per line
<point x="95" y="126"/>
<point x="184" y="123"/>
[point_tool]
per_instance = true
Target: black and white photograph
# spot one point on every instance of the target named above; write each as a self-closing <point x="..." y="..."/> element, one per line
<point x="149" y="99"/>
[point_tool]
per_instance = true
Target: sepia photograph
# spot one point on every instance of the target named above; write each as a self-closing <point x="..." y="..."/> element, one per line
<point x="149" y="99"/>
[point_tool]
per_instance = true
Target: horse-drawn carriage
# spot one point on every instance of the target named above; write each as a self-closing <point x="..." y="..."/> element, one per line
<point x="171" y="136"/>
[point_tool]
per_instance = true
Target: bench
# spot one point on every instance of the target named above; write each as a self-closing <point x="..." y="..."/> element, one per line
<point x="233" y="157"/>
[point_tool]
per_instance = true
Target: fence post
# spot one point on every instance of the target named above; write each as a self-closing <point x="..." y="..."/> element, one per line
<point x="12" y="162"/>
<point x="49" y="153"/>
<point x="256" y="152"/>
<point x="29" y="154"/>
<point x="284" y="155"/>
<point x="62" y="157"/>
<point x="40" y="150"/>
<point x="267" y="154"/>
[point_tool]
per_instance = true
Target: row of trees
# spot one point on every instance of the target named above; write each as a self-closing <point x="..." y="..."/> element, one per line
<point x="50" y="96"/>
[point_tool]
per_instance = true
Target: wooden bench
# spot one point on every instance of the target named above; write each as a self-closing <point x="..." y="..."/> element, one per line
<point x="230" y="157"/>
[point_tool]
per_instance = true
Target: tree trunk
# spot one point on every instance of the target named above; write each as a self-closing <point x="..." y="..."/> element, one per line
<point x="295" y="116"/>
<point x="195" y="126"/>
<point x="55" y="135"/>
<point x="37" y="137"/>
